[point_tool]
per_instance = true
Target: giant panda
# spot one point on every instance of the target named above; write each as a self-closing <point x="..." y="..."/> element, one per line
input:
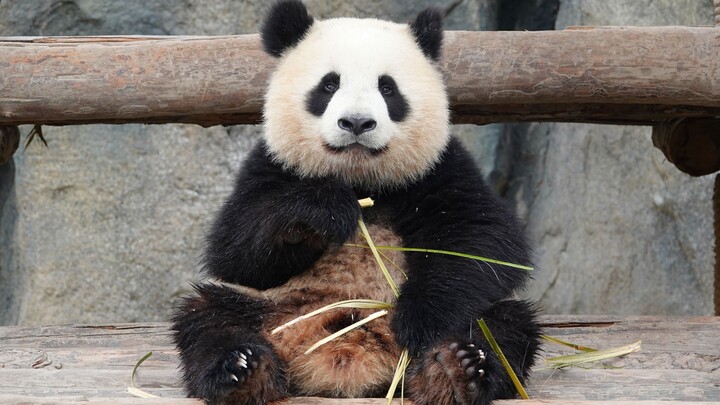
<point x="356" y="108"/>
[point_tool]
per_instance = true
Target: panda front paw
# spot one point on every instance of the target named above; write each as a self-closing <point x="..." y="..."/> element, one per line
<point x="332" y="209"/>
<point x="240" y="365"/>
<point x="299" y="232"/>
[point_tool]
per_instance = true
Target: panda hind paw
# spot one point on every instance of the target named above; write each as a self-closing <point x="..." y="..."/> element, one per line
<point x="453" y="373"/>
<point x="471" y="360"/>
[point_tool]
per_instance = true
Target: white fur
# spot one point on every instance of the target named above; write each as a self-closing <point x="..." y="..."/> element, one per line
<point x="360" y="51"/>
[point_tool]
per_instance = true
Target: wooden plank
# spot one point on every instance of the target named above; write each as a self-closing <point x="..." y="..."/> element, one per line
<point x="89" y="400"/>
<point x="15" y="399"/>
<point x="679" y="362"/>
<point x="19" y="399"/>
<point x="613" y="75"/>
<point x="578" y="384"/>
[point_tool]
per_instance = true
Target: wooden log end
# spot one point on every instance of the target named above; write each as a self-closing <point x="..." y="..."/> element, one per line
<point x="691" y="144"/>
<point x="9" y="142"/>
<point x="716" y="226"/>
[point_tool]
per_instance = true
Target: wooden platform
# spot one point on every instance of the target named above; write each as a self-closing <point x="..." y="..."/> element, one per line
<point x="679" y="364"/>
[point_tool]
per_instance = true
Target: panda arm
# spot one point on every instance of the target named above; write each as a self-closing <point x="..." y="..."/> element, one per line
<point x="275" y="225"/>
<point x="455" y="210"/>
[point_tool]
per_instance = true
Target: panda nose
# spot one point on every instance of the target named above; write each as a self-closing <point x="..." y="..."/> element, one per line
<point x="357" y="125"/>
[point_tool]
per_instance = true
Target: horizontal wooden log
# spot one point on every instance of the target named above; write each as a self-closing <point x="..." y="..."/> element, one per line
<point x="609" y="75"/>
<point x="678" y="364"/>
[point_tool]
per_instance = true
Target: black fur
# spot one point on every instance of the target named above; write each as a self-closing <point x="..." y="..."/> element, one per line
<point x="428" y="31"/>
<point x="319" y="97"/>
<point x="209" y="329"/>
<point x="454" y="209"/>
<point x="397" y="106"/>
<point x="251" y="243"/>
<point x="275" y="225"/>
<point x="284" y="26"/>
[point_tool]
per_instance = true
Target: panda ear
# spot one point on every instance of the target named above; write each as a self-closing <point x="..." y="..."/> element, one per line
<point x="285" y="25"/>
<point x="428" y="31"/>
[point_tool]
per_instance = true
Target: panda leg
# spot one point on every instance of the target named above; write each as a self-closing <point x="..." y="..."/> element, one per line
<point x="224" y="358"/>
<point x="465" y="371"/>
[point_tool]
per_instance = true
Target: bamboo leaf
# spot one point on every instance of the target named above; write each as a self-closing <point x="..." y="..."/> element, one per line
<point x="359" y="304"/>
<point x="375" y="252"/>
<point x="568" y="344"/>
<point x="447" y="252"/>
<point x="399" y="376"/>
<point x="496" y="348"/>
<point x="346" y="330"/>
<point x="598" y="355"/>
<point x="135" y="369"/>
<point x="134" y="390"/>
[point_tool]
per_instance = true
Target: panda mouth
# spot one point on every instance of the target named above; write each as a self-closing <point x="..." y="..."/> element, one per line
<point x="355" y="148"/>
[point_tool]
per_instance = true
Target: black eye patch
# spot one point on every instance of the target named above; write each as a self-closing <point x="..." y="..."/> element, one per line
<point x="319" y="97"/>
<point x="397" y="106"/>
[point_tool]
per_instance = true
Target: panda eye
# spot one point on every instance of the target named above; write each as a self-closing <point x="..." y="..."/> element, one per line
<point x="330" y="87"/>
<point x="387" y="86"/>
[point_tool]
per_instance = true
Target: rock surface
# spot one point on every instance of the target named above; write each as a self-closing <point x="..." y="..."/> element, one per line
<point x="618" y="228"/>
<point x="106" y="224"/>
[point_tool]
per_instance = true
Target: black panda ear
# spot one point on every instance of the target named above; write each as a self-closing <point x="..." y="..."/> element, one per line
<point x="285" y="25"/>
<point x="428" y="31"/>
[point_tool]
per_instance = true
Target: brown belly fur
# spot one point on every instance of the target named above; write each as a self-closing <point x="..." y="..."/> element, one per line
<point x="359" y="363"/>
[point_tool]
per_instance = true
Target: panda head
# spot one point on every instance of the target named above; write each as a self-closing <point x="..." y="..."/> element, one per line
<point x="356" y="99"/>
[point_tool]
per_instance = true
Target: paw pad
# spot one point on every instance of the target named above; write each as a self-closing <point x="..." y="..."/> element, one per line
<point x="471" y="360"/>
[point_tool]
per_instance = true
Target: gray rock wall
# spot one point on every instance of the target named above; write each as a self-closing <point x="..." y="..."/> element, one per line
<point x="106" y="224"/>
<point x="619" y="229"/>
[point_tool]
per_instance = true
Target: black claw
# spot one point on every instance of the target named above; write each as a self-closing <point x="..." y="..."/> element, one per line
<point x="239" y="366"/>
